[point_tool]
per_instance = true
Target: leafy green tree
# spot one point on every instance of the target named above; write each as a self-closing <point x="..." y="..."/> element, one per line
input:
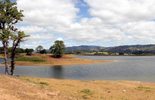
<point x="43" y="51"/>
<point x="58" y="49"/>
<point x="29" y="51"/>
<point x="39" y="48"/>
<point x="9" y="16"/>
<point x="17" y="39"/>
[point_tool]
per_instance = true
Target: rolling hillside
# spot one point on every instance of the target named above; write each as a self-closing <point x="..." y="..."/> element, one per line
<point x="119" y="49"/>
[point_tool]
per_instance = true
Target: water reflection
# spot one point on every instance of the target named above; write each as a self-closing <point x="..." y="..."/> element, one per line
<point x="57" y="72"/>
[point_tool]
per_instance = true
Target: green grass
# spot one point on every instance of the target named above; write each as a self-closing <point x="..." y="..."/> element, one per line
<point x="142" y="87"/>
<point x="30" y="59"/>
<point x="29" y="80"/>
<point x="43" y="83"/>
<point x="148" y="91"/>
<point x="87" y="91"/>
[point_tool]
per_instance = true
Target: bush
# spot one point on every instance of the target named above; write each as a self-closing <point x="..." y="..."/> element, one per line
<point x="43" y="83"/>
<point x="87" y="91"/>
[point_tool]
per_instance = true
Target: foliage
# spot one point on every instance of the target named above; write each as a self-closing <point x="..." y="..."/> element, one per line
<point x="16" y="41"/>
<point x="9" y="16"/>
<point x="39" y="48"/>
<point x="43" y="51"/>
<point x="43" y="83"/>
<point x="29" y="51"/>
<point x="58" y="49"/>
<point x="87" y="91"/>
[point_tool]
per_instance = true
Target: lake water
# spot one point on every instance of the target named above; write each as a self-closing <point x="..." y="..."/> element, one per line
<point x="133" y="68"/>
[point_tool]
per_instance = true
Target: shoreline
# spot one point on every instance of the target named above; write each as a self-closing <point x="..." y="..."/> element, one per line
<point x="28" y="88"/>
<point x="65" y="60"/>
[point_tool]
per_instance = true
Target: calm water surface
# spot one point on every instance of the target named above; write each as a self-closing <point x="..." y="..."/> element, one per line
<point x="133" y="68"/>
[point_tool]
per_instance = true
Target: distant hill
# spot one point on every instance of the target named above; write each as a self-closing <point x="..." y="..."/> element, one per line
<point x="83" y="48"/>
<point x="119" y="49"/>
<point x="133" y="49"/>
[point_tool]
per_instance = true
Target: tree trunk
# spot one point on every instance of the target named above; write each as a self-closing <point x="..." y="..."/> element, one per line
<point x="12" y="60"/>
<point x="12" y="67"/>
<point x="5" y="57"/>
<point x="15" y="44"/>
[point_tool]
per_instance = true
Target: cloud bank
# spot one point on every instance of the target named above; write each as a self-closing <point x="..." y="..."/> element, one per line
<point x="111" y="22"/>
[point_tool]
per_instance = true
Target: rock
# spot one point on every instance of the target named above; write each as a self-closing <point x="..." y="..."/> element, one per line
<point x="108" y="91"/>
<point x="57" y="93"/>
<point x="124" y="91"/>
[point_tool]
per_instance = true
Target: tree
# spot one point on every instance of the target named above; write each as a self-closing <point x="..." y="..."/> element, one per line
<point x="39" y="48"/>
<point x="9" y="16"/>
<point x="43" y="51"/>
<point x="58" y="49"/>
<point x="17" y="39"/>
<point x="29" y="51"/>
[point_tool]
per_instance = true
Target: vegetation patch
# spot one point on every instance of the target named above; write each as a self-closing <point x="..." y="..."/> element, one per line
<point x="87" y="91"/>
<point x="148" y="91"/>
<point x="43" y="83"/>
<point x="30" y="59"/>
<point x="83" y="81"/>
<point x="142" y="87"/>
<point x="29" y="80"/>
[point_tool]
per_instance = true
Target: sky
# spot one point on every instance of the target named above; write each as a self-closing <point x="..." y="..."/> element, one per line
<point x="87" y="22"/>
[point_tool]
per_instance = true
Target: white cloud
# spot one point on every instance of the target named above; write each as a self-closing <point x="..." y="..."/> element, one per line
<point x="113" y="22"/>
<point x="48" y="12"/>
<point x="42" y="36"/>
<point x="116" y="11"/>
<point x="60" y="39"/>
<point x="32" y="29"/>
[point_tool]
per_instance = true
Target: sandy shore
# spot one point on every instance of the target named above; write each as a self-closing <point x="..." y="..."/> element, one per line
<point x="32" y="88"/>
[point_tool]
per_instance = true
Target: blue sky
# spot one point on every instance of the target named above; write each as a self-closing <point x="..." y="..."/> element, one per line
<point x="87" y="22"/>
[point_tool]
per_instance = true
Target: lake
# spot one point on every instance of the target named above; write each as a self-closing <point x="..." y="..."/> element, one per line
<point x="132" y="68"/>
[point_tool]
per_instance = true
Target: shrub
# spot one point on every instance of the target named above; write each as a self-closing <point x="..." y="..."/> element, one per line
<point x="43" y="83"/>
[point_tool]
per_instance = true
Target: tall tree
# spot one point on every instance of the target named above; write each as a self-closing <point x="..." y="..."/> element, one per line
<point x="17" y="39"/>
<point x="39" y="48"/>
<point x="9" y="16"/>
<point x="58" y="49"/>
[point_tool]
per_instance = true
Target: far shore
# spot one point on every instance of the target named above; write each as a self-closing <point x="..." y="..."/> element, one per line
<point x="65" y="60"/>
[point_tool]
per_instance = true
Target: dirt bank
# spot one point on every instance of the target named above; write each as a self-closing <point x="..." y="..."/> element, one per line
<point x="30" y="88"/>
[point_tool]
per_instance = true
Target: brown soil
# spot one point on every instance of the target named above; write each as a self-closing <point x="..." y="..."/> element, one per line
<point x="31" y="88"/>
<point x="65" y="60"/>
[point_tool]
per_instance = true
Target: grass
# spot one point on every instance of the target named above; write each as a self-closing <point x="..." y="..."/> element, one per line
<point x="85" y="97"/>
<point x="87" y="91"/>
<point x="148" y="91"/>
<point x="43" y="83"/>
<point x="142" y="87"/>
<point x="30" y="59"/>
<point x="29" y="80"/>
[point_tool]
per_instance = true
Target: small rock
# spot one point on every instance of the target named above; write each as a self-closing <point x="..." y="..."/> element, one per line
<point x="124" y="91"/>
<point x="108" y="91"/>
<point x="58" y="93"/>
